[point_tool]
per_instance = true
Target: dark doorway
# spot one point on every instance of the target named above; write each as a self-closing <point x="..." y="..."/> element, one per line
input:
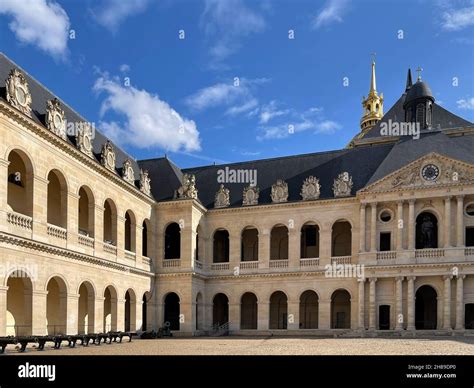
<point x="172" y="310"/>
<point x="469" y="316"/>
<point x="173" y="241"/>
<point x="426" y="309"/>
<point x="385" y="241"/>
<point x="384" y="317"/>
<point x="248" y="312"/>
<point x="340" y="310"/>
<point x="220" y="310"/>
<point x="278" y="311"/>
<point x="470" y="236"/>
<point x="309" y="310"/>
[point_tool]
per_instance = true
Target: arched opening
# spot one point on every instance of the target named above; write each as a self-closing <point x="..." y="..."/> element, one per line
<point x="341" y="310"/>
<point x="248" y="311"/>
<point x="220" y="309"/>
<point x="309" y="241"/>
<point x="426" y="308"/>
<point x="221" y="246"/>
<point x="309" y="310"/>
<point x="56" y="306"/>
<point x="19" y="304"/>
<point x="249" y="246"/>
<point x="130" y="311"/>
<point x="341" y="240"/>
<point x="110" y="309"/>
<point x="172" y="311"/>
<point x="86" y="212"/>
<point x="110" y="222"/>
<point x="145" y="237"/>
<point x="57" y="199"/>
<point x="20" y="183"/>
<point x="86" y="309"/>
<point x="199" y="312"/>
<point x="145" y="299"/>
<point x="196" y="249"/>
<point x="279" y="243"/>
<point x="426" y="231"/>
<point x="469" y="316"/>
<point x="130" y="228"/>
<point x="173" y="241"/>
<point x="278" y="311"/>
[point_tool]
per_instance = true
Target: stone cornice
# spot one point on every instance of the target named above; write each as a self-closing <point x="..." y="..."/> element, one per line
<point x="66" y="253"/>
<point x="64" y="146"/>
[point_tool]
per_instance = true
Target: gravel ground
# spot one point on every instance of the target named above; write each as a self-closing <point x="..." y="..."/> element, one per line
<point x="273" y="346"/>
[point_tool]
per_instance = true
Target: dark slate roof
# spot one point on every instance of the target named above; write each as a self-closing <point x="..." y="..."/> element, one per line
<point x="408" y="150"/>
<point x="165" y="177"/>
<point x="360" y="163"/>
<point x="40" y="95"/>
<point x="442" y="119"/>
<point x="418" y="90"/>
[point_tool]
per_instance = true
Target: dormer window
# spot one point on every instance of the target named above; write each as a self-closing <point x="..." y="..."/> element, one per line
<point x="420" y="115"/>
<point x="429" y="115"/>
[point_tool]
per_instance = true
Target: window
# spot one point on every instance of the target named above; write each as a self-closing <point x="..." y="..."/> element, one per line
<point x="385" y="241"/>
<point x="470" y="236"/>
<point x="470" y="209"/>
<point x="420" y="115"/>
<point x="385" y="216"/>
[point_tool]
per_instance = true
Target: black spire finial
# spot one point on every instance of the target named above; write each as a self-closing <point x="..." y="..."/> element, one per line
<point x="409" y="81"/>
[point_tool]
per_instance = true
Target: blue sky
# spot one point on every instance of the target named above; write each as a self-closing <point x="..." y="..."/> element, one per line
<point x="220" y="80"/>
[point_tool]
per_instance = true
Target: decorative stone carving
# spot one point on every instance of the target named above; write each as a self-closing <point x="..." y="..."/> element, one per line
<point x="55" y="118"/>
<point x="279" y="191"/>
<point x="250" y="196"/>
<point x="145" y="182"/>
<point x="107" y="156"/>
<point x="310" y="189"/>
<point x="84" y="139"/>
<point x="222" y="198"/>
<point x="18" y="93"/>
<point x="342" y="185"/>
<point x="127" y="172"/>
<point x="188" y="188"/>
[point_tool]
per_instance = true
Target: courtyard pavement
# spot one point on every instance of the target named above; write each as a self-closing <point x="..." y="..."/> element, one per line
<point x="271" y="346"/>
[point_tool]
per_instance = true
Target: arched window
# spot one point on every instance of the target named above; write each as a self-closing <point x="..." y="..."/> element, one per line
<point x="145" y="237"/>
<point x="221" y="246"/>
<point x="426" y="231"/>
<point x="341" y="239"/>
<point x="130" y="228"/>
<point x="309" y="241"/>
<point x="20" y="183"/>
<point x="420" y="115"/>
<point x="57" y="199"/>
<point x="173" y="241"/>
<point x="86" y="212"/>
<point x="249" y="246"/>
<point x="279" y="243"/>
<point x="110" y="222"/>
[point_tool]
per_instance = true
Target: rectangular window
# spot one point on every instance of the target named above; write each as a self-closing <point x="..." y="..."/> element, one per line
<point x="470" y="236"/>
<point x="385" y="241"/>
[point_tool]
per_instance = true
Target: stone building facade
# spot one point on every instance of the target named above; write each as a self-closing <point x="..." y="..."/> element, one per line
<point x="376" y="236"/>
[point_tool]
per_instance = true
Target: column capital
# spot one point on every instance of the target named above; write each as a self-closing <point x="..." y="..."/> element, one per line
<point x="411" y="201"/>
<point x="461" y="276"/>
<point x="460" y="197"/>
<point x="363" y="205"/>
<point x="411" y="278"/>
<point x="400" y="278"/>
<point x="361" y="280"/>
<point x="373" y="204"/>
<point x="39" y="292"/>
<point x="400" y="202"/>
<point x="372" y="280"/>
<point x="448" y="198"/>
<point x="447" y="277"/>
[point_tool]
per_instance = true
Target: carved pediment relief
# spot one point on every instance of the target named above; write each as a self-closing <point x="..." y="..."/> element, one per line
<point x="145" y="182"/>
<point x="250" y="196"/>
<point x="222" y="198"/>
<point x="18" y="93"/>
<point x="55" y="118"/>
<point x="279" y="191"/>
<point x="127" y="172"/>
<point x="342" y="185"/>
<point x="107" y="157"/>
<point x="188" y="188"/>
<point x="429" y="171"/>
<point x="84" y="139"/>
<point x="310" y="189"/>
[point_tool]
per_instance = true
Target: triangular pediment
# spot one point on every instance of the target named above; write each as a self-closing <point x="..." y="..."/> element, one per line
<point x="431" y="171"/>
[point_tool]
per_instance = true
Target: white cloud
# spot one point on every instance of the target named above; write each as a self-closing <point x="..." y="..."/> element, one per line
<point x="311" y="119"/>
<point x="149" y="121"/>
<point x="124" y="68"/>
<point x="466" y="103"/>
<point x="227" y="22"/>
<point x="237" y="97"/>
<point x="42" y="23"/>
<point x="114" y="12"/>
<point x="457" y="19"/>
<point x="332" y="12"/>
<point x="270" y="111"/>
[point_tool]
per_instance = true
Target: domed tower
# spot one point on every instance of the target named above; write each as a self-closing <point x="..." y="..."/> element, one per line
<point x="418" y="103"/>
<point x="372" y="106"/>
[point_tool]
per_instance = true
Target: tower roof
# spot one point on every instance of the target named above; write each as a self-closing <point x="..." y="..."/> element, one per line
<point x="419" y="90"/>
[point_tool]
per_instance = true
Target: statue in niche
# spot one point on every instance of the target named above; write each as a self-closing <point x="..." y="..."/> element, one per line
<point x="428" y="232"/>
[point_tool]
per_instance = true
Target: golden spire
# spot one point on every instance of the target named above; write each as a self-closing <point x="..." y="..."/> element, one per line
<point x="372" y="105"/>
<point x="373" y="86"/>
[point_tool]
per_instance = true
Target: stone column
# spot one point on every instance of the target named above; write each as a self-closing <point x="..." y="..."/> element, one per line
<point x="399" y="303"/>
<point x="185" y="317"/>
<point x="399" y="230"/>
<point x="138" y="314"/>
<point x="3" y="194"/>
<point x="293" y="314"/>
<point x="98" y="229"/>
<point x="447" y="222"/>
<point x="120" y="236"/>
<point x="324" y="321"/>
<point x="72" y="313"/>
<point x="120" y="318"/>
<point x="3" y="310"/>
<point x="362" y="228"/>
<point x="372" y="304"/>
<point x="460" y="221"/>
<point x="460" y="302"/>
<point x="447" y="302"/>
<point x="40" y="208"/>
<point x="361" y="303"/>
<point x="263" y="315"/>
<point x="96" y="323"/>
<point x="411" y="224"/>
<point x="38" y="305"/>
<point x="234" y="250"/>
<point x="234" y="316"/>
<point x="72" y="219"/>
<point x="264" y="248"/>
<point x="373" y="227"/>
<point x="411" y="302"/>
<point x="294" y="248"/>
